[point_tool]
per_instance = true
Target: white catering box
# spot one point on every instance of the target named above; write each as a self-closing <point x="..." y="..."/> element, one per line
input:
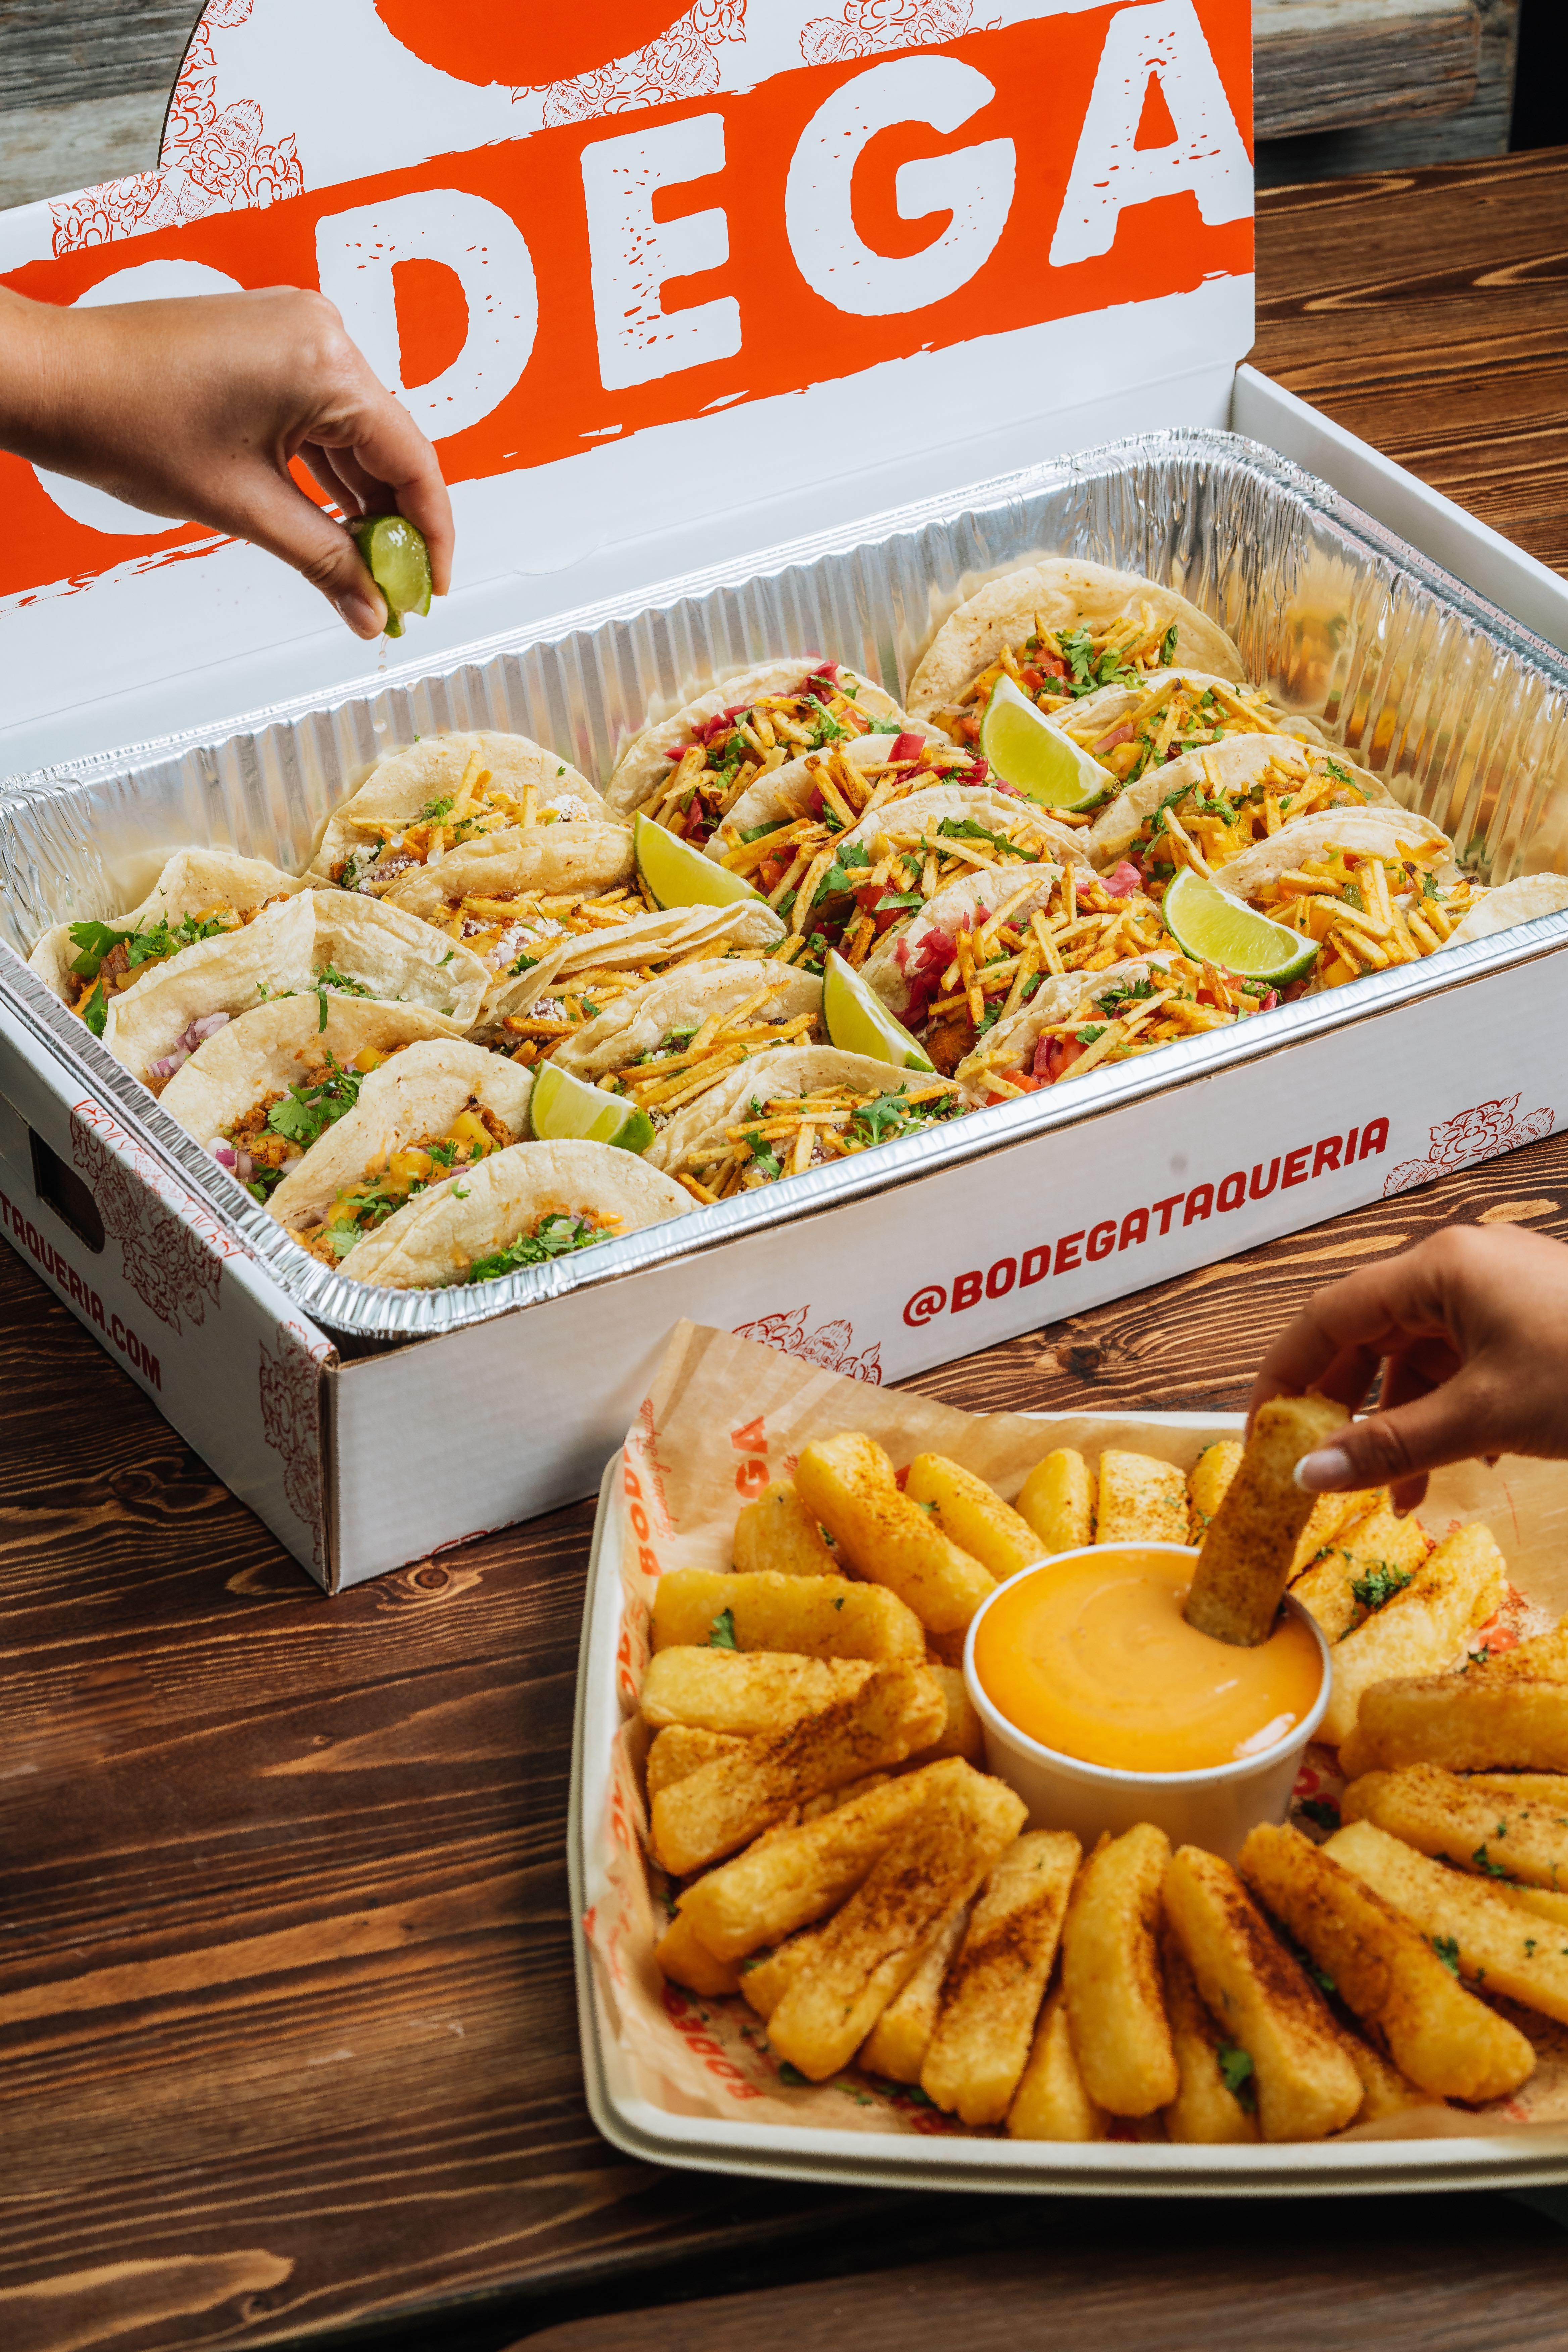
<point x="780" y="358"/>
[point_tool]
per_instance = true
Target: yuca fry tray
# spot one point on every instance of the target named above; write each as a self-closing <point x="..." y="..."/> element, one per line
<point x="679" y="2079"/>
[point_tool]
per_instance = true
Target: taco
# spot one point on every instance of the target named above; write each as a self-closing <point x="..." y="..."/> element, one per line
<point x="441" y="792"/>
<point x="261" y="1088"/>
<point x="1373" y="887"/>
<point x="525" y="1206"/>
<point x="831" y="790"/>
<point x="1133" y="728"/>
<point x="686" y="771"/>
<point x="1075" y="1024"/>
<point x="668" y="1040"/>
<point x="321" y="944"/>
<point x="1061" y="628"/>
<point x="1499" y="908"/>
<point x="1223" y="799"/>
<point x="201" y="894"/>
<point x="433" y="1111"/>
<point x="802" y="1108"/>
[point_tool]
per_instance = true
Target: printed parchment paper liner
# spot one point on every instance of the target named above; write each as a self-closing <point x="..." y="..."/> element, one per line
<point x="724" y="1416"/>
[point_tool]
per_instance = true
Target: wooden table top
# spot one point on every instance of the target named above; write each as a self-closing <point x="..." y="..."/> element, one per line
<point x="287" y="2042"/>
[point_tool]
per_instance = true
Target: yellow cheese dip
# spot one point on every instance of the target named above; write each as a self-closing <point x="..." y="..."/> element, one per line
<point x="1091" y="1656"/>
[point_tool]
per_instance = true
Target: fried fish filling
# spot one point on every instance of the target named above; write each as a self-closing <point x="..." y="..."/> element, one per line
<point x="725" y="754"/>
<point x="479" y="805"/>
<point x="473" y="1135"/>
<point x="1369" y="913"/>
<point x="788" y="1134"/>
<point x="1054" y="667"/>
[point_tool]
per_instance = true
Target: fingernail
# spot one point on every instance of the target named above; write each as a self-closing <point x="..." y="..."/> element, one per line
<point x="365" y="618"/>
<point x="1320" y="1473"/>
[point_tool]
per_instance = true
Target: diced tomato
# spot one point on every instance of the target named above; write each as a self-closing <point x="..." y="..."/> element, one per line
<point x="906" y="747"/>
<point x="1122" y="880"/>
<point x="1054" y="1057"/>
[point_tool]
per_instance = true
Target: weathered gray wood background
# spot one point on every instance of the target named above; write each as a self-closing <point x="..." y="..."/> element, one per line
<point x="1342" y="86"/>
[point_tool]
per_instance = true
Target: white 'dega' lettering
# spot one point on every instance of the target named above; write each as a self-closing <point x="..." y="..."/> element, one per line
<point x="975" y="184"/>
<point x="356" y="253"/>
<point x="1109" y="171"/>
<point x="632" y="256"/>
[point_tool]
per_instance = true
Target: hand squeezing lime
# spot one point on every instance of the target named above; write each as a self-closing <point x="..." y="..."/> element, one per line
<point x="398" y="562"/>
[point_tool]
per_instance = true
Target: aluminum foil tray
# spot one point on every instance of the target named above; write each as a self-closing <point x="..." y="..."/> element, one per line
<point x="1460" y="709"/>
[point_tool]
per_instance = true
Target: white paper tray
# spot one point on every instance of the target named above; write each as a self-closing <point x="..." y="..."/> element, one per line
<point x="894" y="2160"/>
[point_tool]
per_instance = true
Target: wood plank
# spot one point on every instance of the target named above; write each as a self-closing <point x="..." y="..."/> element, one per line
<point x="1480" y="128"/>
<point x="1318" y="65"/>
<point x="57" y="52"/>
<point x="53" y="151"/>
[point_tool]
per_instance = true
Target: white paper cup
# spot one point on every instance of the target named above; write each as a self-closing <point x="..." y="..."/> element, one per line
<point x="1213" y="1807"/>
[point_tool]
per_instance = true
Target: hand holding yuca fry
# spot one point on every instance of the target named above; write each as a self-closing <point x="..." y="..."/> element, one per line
<point x="778" y="1532"/>
<point x="1492" y="1940"/>
<point x="1422" y="1627"/>
<point x="973" y="1515"/>
<point x="847" y="1482"/>
<point x="1110" y="1975"/>
<point x="992" y="1998"/>
<point x="1051" y="2102"/>
<point x="746" y="1695"/>
<point x="818" y="1616"/>
<point x="1215" y="2103"/>
<point x="1056" y="1499"/>
<point x="1386" y="1970"/>
<point x="1245" y="1564"/>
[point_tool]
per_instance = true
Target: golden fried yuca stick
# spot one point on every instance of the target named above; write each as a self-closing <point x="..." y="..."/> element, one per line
<point x="1050" y="2102"/>
<point x="1332" y="1516"/>
<point x="1421" y="1628"/>
<point x="848" y="1481"/>
<point x="960" y="1735"/>
<point x="1548" y="1788"/>
<point x="685" y="1961"/>
<point x="1057" y="1498"/>
<point x="1375" y="1554"/>
<point x="973" y="1515"/>
<point x="827" y="1801"/>
<point x="1461" y="1721"/>
<point x="1542" y="1900"/>
<point x="1245" y="1562"/>
<point x="992" y="1997"/>
<point x="722" y="1690"/>
<point x="679" y="1750"/>
<point x="772" y="1888"/>
<point x="1207" y="2110"/>
<point x="1385" y="1969"/>
<point x="1305" y="2083"/>
<point x="724" y="1804"/>
<point x="1208" y="1481"/>
<point x="1385" y="2090"/>
<point x="1142" y="1500"/>
<point x="1543" y="1660"/>
<point x="1110" y="1975"/>
<point x="818" y="1616"/>
<point x="1441" y="1815"/>
<point x="867" y="1951"/>
<point x="896" y="2045"/>
<point x="778" y="1533"/>
<point x="1493" y="1941"/>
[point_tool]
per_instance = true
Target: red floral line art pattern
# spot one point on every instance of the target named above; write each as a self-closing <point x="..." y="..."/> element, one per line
<point x="831" y="1345"/>
<point x="682" y="63"/>
<point x="290" y="1421"/>
<point x="866" y="26"/>
<point x="1470" y="1137"/>
<point x="171" y="1249"/>
<point x="215" y="159"/>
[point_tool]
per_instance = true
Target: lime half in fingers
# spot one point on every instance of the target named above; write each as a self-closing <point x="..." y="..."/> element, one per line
<point x="858" y="1021"/>
<point x="563" y="1109"/>
<point x="680" y="876"/>
<point x="1213" y="929"/>
<point x="398" y="562"/>
<point x="1035" y="757"/>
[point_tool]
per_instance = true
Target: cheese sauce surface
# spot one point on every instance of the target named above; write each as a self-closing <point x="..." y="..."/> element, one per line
<point x="1092" y="1657"/>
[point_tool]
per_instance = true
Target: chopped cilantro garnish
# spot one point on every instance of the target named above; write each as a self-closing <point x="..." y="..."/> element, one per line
<point x="793" y="2076"/>
<point x="94" y="1008"/>
<point x="436" y="812"/>
<point x="768" y="1161"/>
<point x="553" y="1236"/>
<point x="1380" y="1585"/>
<point x="1447" y="1950"/>
<point x="523" y="963"/>
<point x="1088" y="1036"/>
<point x="848" y="865"/>
<point x="1168" y="647"/>
<point x="1484" y="1862"/>
<point x="1341" y="775"/>
<point x="885" y="727"/>
<point x="755" y="832"/>
<point x="721" y="1632"/>
<point x="305" y="1112"/>
<point x="1235" y="2073"/>
<point x="969" y="828"/>
<point x="333" y="978"/>
<point x="1321" y="1811"/>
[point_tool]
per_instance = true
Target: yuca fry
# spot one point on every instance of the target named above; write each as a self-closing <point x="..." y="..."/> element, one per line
<point x="960" y="1735"/>
<point x="1245" y="1562"/>
<point x="1385" y="2090"/>
<point x="1441" y="1815"/>
<point x="1494" y="1942"/>
<point x="896" y="2045"/>
<point x="724" y="1804"/>
<point x="1419" y="1631"/>
<point x="769" y="1891"/>
<point x="1208" y="1481"/>
<point x="1205" y="2112"/>
<point x="685" y="1961"/>
<point x="827" y="1801"/>
<point x="848" y="1481"/>
<point x="1056" y="1499"/>
<point x="1542" y="1900"/>
<point x="1385" y="1970"/>
<point x="1332" y="1516"/>
<point x="1110" y="1975"/>
<point x="1543" y="1660"/>
<point x="1375" y="1553"/>
<point x="679" y="1750"/>
<point x="1050" y="2102"/>
<point x="973" y="1515"/>
<point x="1305" y="2083"/>
<point x="817" y="1616"/>
<point x="1142" y="1500"/>
<point x="748" y="1695"/>
<point x="1524" y="1787"/>
<point x="865" y="1953"/>
<point x="992" y="1998"/>
<point x="777" y="1533"/>
<point x="1464" y="1722"/>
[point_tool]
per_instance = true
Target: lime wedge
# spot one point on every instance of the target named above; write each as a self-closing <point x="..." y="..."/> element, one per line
<point x="680" y="876"/>
<point x="858" y="1021"/>
<point x="1028" y="751"/>
<point x="1213" y="929"/>
<point x="398" y="562"/>
<point x="564" y="1109"/>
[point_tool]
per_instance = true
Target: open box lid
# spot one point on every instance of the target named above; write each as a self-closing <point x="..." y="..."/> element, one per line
<point x="663" y="288"/>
